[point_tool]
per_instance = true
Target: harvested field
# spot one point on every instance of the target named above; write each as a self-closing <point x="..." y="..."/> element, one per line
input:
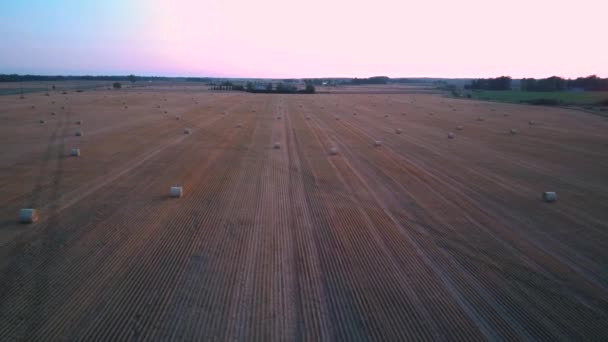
<point x="425" y="238"/>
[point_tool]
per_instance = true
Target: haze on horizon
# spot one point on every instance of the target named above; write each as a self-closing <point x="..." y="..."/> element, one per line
<point x="317" y="38"/>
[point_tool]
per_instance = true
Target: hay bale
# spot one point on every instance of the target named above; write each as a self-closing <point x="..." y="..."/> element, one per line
<point x="79" y="133"/>
<point x="176" y="192"/>
<point x="177" y="118"/>
<point x="28" y="215"/>
<point x="276" y="145"/>
<point x="480" y="119"/>
<point x="337" y="118"/>
<point x="53" y="113"/>
<point x="398" y="131"/>
<point x="307" y="117"/>
<point x="279" y="117"/>
<point x="386" y="115"/>
<point x="513" y="131"/>
<point x="239" y="125"/>
<point x="42" y="121"/>
<point x="377" y="143"/>
<point x="451" y="135"/>
<point x="333" y="151"/>
<point x="549" y="196"/>
<point x="187" y="131"/>
<point x="75" y="152"/>
<point x="403" y="114"/>
<point x="460" y="128"/>
<point x="354" y="114"/>
<point x="531" y="123"/>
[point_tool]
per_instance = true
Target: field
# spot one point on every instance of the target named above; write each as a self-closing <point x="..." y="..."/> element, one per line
<point x="563" y="97"/>
<point x="420" y="238"/>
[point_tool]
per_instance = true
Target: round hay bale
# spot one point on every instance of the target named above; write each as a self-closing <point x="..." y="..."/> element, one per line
<point x="333" y="151"/>
<point x="42" y="121"/>
<point x="239" y="125"/>
<point x="398" y="131"/>
<point x="386" y="115"/>
<point x="75" y="152"/>
<point x="79" y="133"/>
<point x="451" y="135"/>
<point x="187" y="131"/>
<point x="307" y="117"/>
<point x="513" y="131"/>
<point x="377" y="143"/>
<point x="531" y="123"/>
<point x="337" y="118"/>
<point x="549" y="196"/>
<point x="176" y="192"/>
<point x="278" y="117"/>
<point x="53" y="113"/>
<point x="354" y="114"/>
<point x="460" y="128"/>
<point x="276" y="145"/>
<point x="28" y="215"/>
<point x="177" y="118"/>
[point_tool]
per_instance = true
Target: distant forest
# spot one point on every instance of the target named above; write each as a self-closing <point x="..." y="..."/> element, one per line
<point x="554" y="83"/>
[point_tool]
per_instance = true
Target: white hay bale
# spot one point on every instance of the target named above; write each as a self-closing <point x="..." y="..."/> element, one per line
<point x="398" y="131"/>
<point x="79" y="133"/>
<point x="176" y="192"/>
<point x="333" y="151"/>
<point x="75" y="152"/>
<point x="549" y="196"/>
<point x="460" y="128"/>
<point x="28" y="215"/>
<point x="451" y="135"/>
<point x="513" y="131"/>
<point x="276" y="145"/>
<point x="377" y="143"/>
<point x="187" y="131"/>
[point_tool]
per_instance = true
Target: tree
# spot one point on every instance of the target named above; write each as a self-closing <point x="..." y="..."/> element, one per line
<point x="117" y="85"/>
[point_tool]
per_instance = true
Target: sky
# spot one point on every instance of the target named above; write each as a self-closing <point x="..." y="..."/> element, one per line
<point x="313" y="38"/>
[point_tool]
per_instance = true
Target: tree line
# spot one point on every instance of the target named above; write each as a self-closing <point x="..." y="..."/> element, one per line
<point x="553" y="83"/>
<point x="498" y="83"/>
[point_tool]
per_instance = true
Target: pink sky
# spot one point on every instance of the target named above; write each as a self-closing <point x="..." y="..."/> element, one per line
<point x="316" y="38"/>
